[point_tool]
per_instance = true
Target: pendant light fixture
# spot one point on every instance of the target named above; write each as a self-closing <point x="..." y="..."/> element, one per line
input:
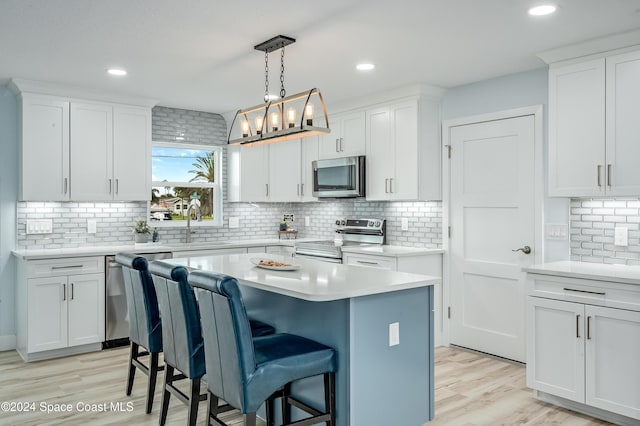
<point x="286" y="118"/>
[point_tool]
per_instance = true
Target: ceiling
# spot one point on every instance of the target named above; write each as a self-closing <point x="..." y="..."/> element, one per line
<point x="199" y="54"/>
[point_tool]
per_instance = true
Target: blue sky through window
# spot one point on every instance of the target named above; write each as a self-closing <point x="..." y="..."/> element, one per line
<point x="173" y="164"/>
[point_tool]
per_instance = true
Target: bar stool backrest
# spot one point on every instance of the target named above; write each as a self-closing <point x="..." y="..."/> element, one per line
<point x="182" y="332"/>
<point x="230" y="354"/>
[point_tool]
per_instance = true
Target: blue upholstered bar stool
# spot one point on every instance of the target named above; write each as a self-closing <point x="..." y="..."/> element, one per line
<point x="145" y="328"/>
<point x="182" y="335"/>
<point x="246" y="372"/>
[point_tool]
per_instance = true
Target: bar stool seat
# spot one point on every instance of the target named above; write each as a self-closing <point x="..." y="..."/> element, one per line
<point x="145" y="325"/>
<point x="251" y="371"/>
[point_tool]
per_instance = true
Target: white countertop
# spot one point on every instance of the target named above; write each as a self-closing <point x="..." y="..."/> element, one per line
<point x="147" y="248"/>
<point x="314" y="281"/>
<point x="390" y="251"/>
<point x="591" y="271"/>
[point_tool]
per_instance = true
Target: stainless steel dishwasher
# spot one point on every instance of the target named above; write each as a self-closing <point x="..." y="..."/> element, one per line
<point x="116" y="313"/>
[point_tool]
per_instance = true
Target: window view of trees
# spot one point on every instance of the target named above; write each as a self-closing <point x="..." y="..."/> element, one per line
<point x="190" y="174"/>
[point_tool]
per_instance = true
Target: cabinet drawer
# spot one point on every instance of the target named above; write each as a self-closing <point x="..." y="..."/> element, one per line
<point x="65" y="266"/>
<point x="371" y="261"/>
<point x="589" y="292"/>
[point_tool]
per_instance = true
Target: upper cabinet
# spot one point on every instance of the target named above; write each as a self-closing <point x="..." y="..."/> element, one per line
<point x="347" y="137"/>
<point x="403" y="150"/>
<point x="80" y="150"/>
<point x="593" y="127"/>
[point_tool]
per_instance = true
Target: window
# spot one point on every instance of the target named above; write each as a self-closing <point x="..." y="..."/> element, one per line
<point x="185" y="175"/>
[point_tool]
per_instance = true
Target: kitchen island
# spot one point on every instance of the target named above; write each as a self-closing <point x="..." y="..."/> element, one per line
<point x="352" y="309"/>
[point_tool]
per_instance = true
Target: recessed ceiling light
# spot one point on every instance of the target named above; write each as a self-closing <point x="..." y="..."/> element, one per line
<point x="544" y="9"/>
<point x="119" y="72"/>
<point x="365" y="67"/>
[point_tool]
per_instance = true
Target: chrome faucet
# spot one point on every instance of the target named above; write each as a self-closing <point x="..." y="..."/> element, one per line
<point x="193" y="205"/>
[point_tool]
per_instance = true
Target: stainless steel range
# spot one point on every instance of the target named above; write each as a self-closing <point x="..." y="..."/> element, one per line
<point x="348" y="232"/>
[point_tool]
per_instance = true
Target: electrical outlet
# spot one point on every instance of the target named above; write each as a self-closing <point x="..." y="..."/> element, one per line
<point x="92" y="226"/>
<point x="234" y="222"/>
<point x="394" y="334"/>
<point x="307" y="221"/>
<point x="405" y="224"/>
<point x="621" y="236"/>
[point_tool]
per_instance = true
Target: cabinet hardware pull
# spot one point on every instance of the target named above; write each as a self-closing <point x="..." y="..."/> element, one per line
<point x="599" y="182"/>
<point x="117" y="185"/>
<point x="267" y="185"/>
<point x="609" y="175"/>
<point x="64" y="292"/>
<point x="66" y="267"/>
<point x="337" y="142"/>
<point x="367" y="263"/>
<point x="584" y="291"/>
<point x="589" y="328"/>
<point x="578" y="326"/>
<point x="391" y="185"/>
<point x="109" y="186"/>
<point x="298" y="189"/>
<point x="66" y="182"/>
<point x="341" y="150"/>
<point x="71" y="291"/>
<point x="302" y="189"/>
<point x="386" y="186"/>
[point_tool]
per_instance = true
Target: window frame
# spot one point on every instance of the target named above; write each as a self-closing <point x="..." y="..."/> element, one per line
<point x="216" y="187"/>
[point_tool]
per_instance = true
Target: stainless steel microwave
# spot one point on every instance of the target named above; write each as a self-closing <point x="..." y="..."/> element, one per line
<point x="339" y="177"/>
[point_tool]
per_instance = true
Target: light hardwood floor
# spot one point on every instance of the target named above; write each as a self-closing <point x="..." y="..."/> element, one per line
<point x="471" y="389"/>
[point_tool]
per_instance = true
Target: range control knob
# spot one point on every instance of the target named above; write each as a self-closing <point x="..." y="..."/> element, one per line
<point x="370" y="223"/>
<point x="377" y="223"/>
<point x="338" y="222"/>
<point x="343" y="222"/>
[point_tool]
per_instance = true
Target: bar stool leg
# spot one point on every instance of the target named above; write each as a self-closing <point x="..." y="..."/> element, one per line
<point x="212" y="408"/>
<point x="286" y="407"/>
<point x="250" y="419"/>
<point x="132" y="368"/>
<point x="153" y="374"/>
<point x="330" y="396"/>
<point x="166" y="395"/>
<point x="194" y="400"/>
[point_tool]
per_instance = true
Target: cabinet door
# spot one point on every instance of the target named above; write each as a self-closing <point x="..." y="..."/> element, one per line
<point x="309" y="155"/>
<point x="380" y="153"/>
<point x="328" y="143"/>
<point x="131" y="153"/>
<point x="44" y="153"/>
<point x="352" y="139"/>
<point x="91" y="152"/>
<point x="47" y="313"/>
<point x="285" y="171"/>
<point x="577" y="129"/>
<point x="254" y="173"/>
<point x="85" y="298"/>
<point x="404" y="126"/>
<point x="555" y="347"/>
<point x="613" y="370"/>
<point x="623" y="126"/>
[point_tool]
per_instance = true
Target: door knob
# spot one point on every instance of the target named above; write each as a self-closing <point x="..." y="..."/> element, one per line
<point x="525" y="249"/>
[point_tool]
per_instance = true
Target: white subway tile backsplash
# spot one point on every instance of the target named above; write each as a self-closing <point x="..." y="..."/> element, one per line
<point x="592" y="230"/>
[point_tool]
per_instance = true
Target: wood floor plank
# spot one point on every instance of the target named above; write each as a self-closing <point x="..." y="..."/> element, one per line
<point x="471" y="390"/>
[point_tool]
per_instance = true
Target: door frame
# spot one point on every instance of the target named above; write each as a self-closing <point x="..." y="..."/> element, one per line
<point x="538" y="179"/>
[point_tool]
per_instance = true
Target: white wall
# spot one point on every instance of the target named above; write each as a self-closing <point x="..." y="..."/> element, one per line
<point x="8" y="197"/>
<point x="508" y="92"/>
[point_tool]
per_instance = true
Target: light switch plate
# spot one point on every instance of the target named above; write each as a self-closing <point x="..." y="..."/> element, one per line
<point x="92" y="226"/>
<point x="307" y="221"/>
<point x="621" y="236"/>
<point x="394" y="334"/>
<point x="556" y="231"/>
<point x="405" y="224"/>
<point x="234" y="222"/>
<point x="41" y="226"/>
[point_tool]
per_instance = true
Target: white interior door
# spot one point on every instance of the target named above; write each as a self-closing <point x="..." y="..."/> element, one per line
<point x="491" y="214"/>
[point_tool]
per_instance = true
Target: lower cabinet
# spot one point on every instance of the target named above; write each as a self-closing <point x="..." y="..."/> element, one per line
<point x="585" y="353"/>
<point x="60" y="307"/>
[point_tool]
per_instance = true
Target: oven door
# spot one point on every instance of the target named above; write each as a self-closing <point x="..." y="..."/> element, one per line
<point x="339" y="177"/>
<point x="319" y="258"/>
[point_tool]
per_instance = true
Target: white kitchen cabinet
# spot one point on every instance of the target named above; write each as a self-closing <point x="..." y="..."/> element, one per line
<point x="83" y="150"/>
<point x="582" y="347"/>
<point x="60" y="307"/>
<point x="593" y="127"/>
<point x="347" y="136"/>
<point x="44" y="152"/>
<point x="309" y="155"/>
<point x="91" y="152"/>
<point x="254" y="173"/>
<point x="285" y="171"/>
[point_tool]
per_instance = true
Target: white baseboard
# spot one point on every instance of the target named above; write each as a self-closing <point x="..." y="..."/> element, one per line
<point x="586" y="409"/>
<point x="7" y="342"/>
